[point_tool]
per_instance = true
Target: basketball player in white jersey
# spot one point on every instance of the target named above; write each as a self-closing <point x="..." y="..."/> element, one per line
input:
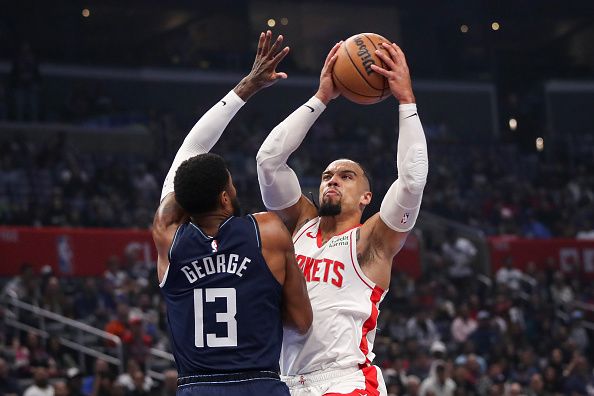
<point x="346" y="264"/>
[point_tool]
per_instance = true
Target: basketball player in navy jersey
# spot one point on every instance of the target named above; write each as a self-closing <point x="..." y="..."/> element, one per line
<point x="229" y="282"/>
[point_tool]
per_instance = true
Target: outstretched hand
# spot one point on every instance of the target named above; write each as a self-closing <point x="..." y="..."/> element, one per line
<point x="263" y="73"/>
<point x="396" y="71"/>
<point x="328" y="90"/>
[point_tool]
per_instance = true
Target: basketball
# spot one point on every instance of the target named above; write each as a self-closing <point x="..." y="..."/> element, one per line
<point x="352" y="71"/>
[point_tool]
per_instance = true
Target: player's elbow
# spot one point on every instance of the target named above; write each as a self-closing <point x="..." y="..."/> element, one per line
<point x="303" y="323"/>
<point x="306" y="322"/>
<point x="299" y="321"/>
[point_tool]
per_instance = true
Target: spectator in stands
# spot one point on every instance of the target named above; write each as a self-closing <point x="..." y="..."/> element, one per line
<point x="486" y="334"/>
<point x="438" y="383"/>
<point x="8" y="385"/>
<point x="422" y="328"/>
<point x="119" y="324"/>
<point x="74" y="380"/>
<point x="536" y="387"/>
<point x="463" y="325"/>
<point x="86" y="301"/>
<point x="60" y="388"/>
<point x="21" y="357"/>
<point x="580" y="380"/>
<point x="508" y="276"/>
<point x="127" y="379"/>
<point x="25" y="80"/>
<point x="53" y="297"/>
<point x="41" y="385"/>
<point x="561" y="292"/>
<point x="136" y="341"/>
<point x="59" y="356"/>
<point x="412" y="386"/>
<point x="459" y="253"/>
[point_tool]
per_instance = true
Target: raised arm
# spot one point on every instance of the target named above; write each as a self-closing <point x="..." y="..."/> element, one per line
<point x="278" y="251"/>
<point x="279" y="184"/>
<point x="207" y="131"/>
<point x="383" y="235"/>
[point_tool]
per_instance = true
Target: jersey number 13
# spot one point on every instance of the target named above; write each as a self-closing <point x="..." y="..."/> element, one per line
<point x="227" y="317"/>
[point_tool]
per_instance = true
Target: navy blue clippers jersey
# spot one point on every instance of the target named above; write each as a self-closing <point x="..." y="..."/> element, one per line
<point x="223" y="302"/>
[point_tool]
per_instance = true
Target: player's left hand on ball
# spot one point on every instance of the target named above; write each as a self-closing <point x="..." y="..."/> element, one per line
<point x="268" y="57"/>
<point x="396" y="71"/>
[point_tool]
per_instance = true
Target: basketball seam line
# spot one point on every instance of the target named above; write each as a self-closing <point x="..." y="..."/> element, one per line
<point x="383" y="64"/>
<point x="350" y="90"/>
<point x="358" y="71"/>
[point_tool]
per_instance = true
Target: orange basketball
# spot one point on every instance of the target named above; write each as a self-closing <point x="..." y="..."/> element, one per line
<point x="352" y="72"/>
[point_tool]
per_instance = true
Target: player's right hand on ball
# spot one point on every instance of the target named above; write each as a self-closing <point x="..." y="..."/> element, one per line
<point x="268" y="57"/>
<point x="328" y="90"/>
<point x="397" y="73"/>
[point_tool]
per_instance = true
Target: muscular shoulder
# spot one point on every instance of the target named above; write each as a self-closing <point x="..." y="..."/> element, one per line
<point x="273" y="231"/>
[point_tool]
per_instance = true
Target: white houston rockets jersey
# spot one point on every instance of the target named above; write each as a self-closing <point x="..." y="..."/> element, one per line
<point x="344" y="301"/>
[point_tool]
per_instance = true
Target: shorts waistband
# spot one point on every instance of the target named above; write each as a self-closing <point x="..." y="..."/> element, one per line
<point x="226" y="377"/>
<point x="316" y="376"/>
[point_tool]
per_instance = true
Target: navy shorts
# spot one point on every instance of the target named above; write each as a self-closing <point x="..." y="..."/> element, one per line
<point x="254" y="384"/>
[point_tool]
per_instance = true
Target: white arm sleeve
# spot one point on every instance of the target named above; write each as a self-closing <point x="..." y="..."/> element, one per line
<point x="402" y="202"/>
<point x="278" y="183"/>
<point x="204" y="135"/>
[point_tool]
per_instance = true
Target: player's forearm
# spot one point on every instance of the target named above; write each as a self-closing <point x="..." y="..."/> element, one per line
<point x="402" y="202"/>
<point x="205" y="133"/>
<point x="278" y="183"/>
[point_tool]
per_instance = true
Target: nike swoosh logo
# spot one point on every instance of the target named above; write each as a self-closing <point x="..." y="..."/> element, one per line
<point x="309" y="107"/>
<point x="412" y="115"/>
<point x="223" y="102"/>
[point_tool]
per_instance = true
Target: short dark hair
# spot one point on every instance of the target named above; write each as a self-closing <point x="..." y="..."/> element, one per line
<point x="199" y="181"/>
<point x="365" y="174"/>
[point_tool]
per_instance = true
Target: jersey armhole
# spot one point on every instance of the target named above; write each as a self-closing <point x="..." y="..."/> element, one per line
<point x="257" y="228"/>
<point x="173" y="243"/>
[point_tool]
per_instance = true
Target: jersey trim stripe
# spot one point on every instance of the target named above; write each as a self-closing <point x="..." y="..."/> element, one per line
<point x="164" y="277"/>
<point x="173" y="242"/>
<point x="201" y="232"/>
<point x="364" y="279"/>
<point x="305" y="229"/>
<point x="371" y="322"/>
<point x="257" y="230"/>
<point x="207" y="236"/>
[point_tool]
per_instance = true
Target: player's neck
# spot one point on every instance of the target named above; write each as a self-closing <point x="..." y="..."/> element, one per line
<point x="209" y="222"/>
<point x="334" y="225"/>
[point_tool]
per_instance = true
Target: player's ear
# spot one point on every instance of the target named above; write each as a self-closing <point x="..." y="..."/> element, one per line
<point x="366" y="198"/>
<point x="224" y="199"/>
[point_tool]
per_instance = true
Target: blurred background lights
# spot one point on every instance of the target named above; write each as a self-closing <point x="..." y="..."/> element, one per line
<point x="513" y="124"/>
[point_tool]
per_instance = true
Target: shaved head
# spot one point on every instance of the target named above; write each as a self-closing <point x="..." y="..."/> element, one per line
<point x="362" y="169"/>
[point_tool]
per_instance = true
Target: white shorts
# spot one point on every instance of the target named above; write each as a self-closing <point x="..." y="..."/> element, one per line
<point x="367" y="381"/>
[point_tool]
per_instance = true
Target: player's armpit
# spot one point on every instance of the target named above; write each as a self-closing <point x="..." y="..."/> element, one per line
<point x="377" y="245"/>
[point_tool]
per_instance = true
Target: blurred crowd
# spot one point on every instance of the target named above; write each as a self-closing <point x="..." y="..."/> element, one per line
<point x="494" y="188"/>
<point x="516" y="333"/>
